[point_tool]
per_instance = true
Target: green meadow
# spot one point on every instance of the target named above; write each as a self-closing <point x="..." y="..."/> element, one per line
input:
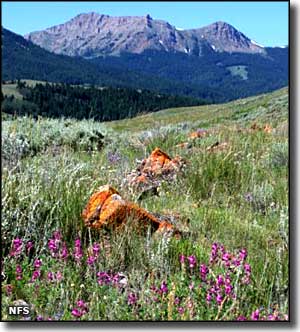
<point x="232" y="263"/>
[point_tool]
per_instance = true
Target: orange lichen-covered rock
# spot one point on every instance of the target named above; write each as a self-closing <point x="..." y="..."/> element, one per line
<point x="152" y="171"/>
<point x="198" y="134"/>
<point x="155" y="162"/>
<point x="165" y="226"/>
<point x="96" y="202"/>
<point x="157" y="155"/>
<point x="267" y="129"/>
<point x="159" y="163"/>
<point x="173" y="166"/>
<point x="107" y="208"/>
<point x="142" y="178"/>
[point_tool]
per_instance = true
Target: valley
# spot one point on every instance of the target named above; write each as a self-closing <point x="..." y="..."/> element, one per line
<point x="143" y="53"/>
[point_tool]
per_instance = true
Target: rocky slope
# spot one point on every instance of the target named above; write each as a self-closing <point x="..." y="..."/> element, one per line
<point x="223" y="37"/>
<point x="91" y="35"/>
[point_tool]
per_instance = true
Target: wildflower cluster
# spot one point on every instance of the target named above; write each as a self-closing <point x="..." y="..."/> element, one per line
<point x="80" y="309"/>
<point x="37" y="271"/>
<point x="272" y="314"/>
<point x="17" y="247"/>
<point x="132" y="298"/>
<point x="57" y="247"/>
<point x="78" y="253"/>
<point x="94" y="253"/>
<point x="18" y="272"/>
<point x="54" y="277"/>
<point x="113" y="157"/>
<point x="201" y="289"/>
<point x="111" y="279"/>
<point x="29" y="247"/>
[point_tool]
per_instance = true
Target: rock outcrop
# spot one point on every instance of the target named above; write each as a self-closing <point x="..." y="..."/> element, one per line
<point x="216" y="147"/>
<point x="106" y="208"/>
<point x="200" y="133"/>
<point x="158" y="167"/>
<point x="266" y="128"/>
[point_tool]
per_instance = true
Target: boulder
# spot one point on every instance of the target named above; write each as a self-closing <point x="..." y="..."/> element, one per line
<point x="155" y="163"/>
<point x="106" y="208"/>
<point x="157" y="167"/>
<point x="199" y="133"/>
<point x="266" y="128"/>
<point x="95" y="203"/>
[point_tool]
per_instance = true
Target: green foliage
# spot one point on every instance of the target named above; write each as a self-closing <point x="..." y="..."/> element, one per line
<point x="208" y="76"/>
<point x="237" y="197"/>
<point x="57" y="100"/>
<point x="25" y="136"/>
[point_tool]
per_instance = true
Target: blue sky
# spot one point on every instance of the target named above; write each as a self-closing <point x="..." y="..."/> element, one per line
<point x="264" y="22"/>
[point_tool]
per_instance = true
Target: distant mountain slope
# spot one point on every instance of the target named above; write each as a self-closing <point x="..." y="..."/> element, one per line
<point x="23" y="59"/>
<point x="223" y="37"/>
<point x="215" y="77"/>
<point x="219" y="72"/>
<point x="92" y="34"/>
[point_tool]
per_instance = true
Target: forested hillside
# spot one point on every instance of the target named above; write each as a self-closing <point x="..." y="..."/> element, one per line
<point x="102" y="104"/>
<point x="212" y="77"/>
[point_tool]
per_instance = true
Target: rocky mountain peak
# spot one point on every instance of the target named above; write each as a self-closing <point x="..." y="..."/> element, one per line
<point x="225" y="38"/>
<point x="92" y="35"/>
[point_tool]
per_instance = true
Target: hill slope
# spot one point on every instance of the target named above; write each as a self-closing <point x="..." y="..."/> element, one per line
<point x="266" y="108"/>
<point x="214" y="76"/>
<point x="232" y="205"/>
<point x="81" y="102"/>
<point x="21" y="59"/>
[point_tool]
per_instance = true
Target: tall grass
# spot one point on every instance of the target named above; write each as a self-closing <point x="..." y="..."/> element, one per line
<point x="237" y="197"/>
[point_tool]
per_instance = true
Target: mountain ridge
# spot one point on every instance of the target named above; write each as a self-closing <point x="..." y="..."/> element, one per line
<point x="91" y="35"/>
<point x="214" y="77"/>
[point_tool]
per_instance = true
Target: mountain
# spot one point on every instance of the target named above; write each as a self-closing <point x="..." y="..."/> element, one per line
<point x="91" y="35"/>
<point x="220" y="66"/>
<point x="23" y="59"/>
<point x="220" y="77"/>
<point x="223" y="37"/>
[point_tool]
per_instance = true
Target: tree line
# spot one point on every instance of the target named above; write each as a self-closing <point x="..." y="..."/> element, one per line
<point x="81" y="102"/>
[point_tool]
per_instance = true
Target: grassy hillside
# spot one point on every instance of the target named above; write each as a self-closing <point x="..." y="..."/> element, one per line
<point x="10" y="89"/>
<point x="233" y="202"/>
<point x="268" y="107"/>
